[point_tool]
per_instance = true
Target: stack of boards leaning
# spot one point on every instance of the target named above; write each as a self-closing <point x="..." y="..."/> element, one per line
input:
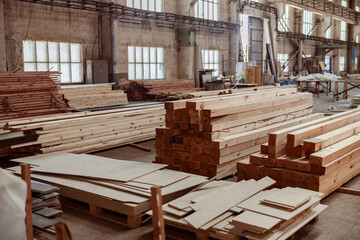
<point x="92" y="96"/>
<point x="319" y="155"/>
<point x="84" y="132"/>
<point x="107" y="185"/>
<point x="207" y="136"/>
<point x="227" y="210"/>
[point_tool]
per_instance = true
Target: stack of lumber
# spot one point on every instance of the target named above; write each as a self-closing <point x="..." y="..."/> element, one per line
<point x="116" y="190"/>
<point x="44" y="199"/>
<point x="159" y="89"/>
<point x="30" y="94"/>
<point x="319" y="155"/>
<point x="227" y="210"/>
<point x="92" y="96"/>
<point x="84" y="132"/>
<point x="355" y="101"/>
<point x="207" y="136"/>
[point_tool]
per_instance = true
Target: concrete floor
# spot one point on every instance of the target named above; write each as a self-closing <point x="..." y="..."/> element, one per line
<point x="341" y="220"/>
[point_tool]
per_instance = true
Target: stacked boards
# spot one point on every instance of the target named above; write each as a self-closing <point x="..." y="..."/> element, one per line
<point x="122" y="187"/>
<point x="227" y="210"/>
<point x="207" y="136"/>
<point x="85" y="132"/>
<point x="93" y="96"/>
<point x="30" y="94"/>
<point x="159" y="89"/>
<point x="319" y="155"/>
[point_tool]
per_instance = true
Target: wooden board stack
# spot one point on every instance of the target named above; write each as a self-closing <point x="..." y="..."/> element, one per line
<point x="119" y="186"/>
<point x="227" y="210"/>
<point x="319" y="155"/>
<point x="92" y="96"/>
<point x="159" y="89"/>
<point x="207" y="136"/>
<point x="84" y="132"/>
<point x="30" y="94"/>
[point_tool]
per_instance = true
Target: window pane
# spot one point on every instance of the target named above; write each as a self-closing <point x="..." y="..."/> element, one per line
<point x="206" y="10"/>
<point x="65" y="73"/>
<point x="146" y="55"/>
<point x="139" y="71"/>
<point x="153" y="55"/>
<point x="43" y="67"/>
<point x="160" y="71"/>
<point x="145" y="5"/>
<point x="152" y="71"/>
<point x="152" y="5"/>
<point x="29" y="51"/>
<point x="76" y="73"/>
<point x="75" y="53"/>
<point x="138" y="54"/>
<point x="159" y="5"/>
<point x="64" y="52"/>
<point x="41" y="52"/>
<point x="216" y="56"/>
<point x="131" y="71"/>
<point x="29" y="67"/>
<point x="216" y="9"/>
<point x="54" y="67"/>
<point x="131" y="54"/>
<point x="211" y="57"/>
<point x="211" y="9"/>
<point x="146" y="71"/>
<point x="160" y="55"/>
<point x="129" y="3"/>
<point x="54" y="55"/>
<point x="137" y="4"/>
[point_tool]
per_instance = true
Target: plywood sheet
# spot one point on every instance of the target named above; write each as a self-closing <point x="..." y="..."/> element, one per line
<point x="249" y="220"/>
<point x="162" y="178"/>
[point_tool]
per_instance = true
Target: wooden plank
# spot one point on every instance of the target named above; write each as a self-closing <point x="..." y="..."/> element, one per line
<point x="25" y="175"/>
<point x="255" y="222"/>
<point x="348" y="191"/>
<point x="157" y="217"/>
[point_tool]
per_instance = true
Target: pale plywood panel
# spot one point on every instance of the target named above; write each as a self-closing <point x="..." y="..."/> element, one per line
<point x="162" y="178"/>
<point x="251" y="220"/>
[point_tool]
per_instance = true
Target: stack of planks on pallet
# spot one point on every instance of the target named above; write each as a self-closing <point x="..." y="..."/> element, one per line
<point x="92" y="96"/>
<point x="227" y="210"/>
<point x="207" y="136"/>
<point x="116" y="190"/>
<point x="159" y="89"/>
<point x="319" y="155"/>
<point x="30" y="94"/>
<point x="85" y="132"/>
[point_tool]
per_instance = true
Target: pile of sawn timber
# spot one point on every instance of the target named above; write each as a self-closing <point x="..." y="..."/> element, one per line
<point x="93" y="96"/>
<point x="159" y="89"/>
<point x="207" y="136"/>
<point x="319" y="155"/>
<point x="85" y="132"/>
<point x="25" y="94"/>
<point x="104" y="184"/>
<point x="227" y="210"/>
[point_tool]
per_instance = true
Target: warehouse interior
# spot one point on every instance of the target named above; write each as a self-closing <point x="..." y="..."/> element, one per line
<point x="179" y="119"/>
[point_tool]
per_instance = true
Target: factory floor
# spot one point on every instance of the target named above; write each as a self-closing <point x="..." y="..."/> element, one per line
<point x="341" y="220"/>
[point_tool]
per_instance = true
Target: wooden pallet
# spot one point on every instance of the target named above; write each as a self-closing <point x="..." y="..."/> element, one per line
<point x="101" y="212"/>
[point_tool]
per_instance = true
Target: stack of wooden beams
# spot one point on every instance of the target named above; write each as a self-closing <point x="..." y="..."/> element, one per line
<point x="30" y="94"/>
<point x="319" y="155"/>
<point x="159" y="89"/>
<point x="227" y="210"/>
<point x="92" y="96"/>
<point x="84" y="132"/>
<point x="207" y="136"/>
<point x="116" y="190"/>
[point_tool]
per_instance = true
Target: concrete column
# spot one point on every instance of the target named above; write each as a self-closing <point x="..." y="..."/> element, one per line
<point x="2" y="38"/>
<point x="234" y="38"/>
<point x="350" y="37"/>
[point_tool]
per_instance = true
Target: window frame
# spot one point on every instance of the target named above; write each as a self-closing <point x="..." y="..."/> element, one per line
<point x="213" y="63"/>
<point x="200" y="6"/>
<point x="48" y="61"/>
<point x="146" y="7"/>
<point x="341" y="64"/>
<point x="307" y="22"/>
<point x="282" y="58"/>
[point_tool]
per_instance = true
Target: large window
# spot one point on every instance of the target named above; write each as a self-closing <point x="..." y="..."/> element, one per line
<point x="150" y="5"/>
<point x="356" y="63"/>
<point x="145" y="63"/>
<point x="284" y="21"/>
<point x="283" y="58"/>
<point x="328" y="33"/>
<point x="307" y="22"/>
<point x="342" y="64"/>
<point x="54" y="56"/>
<point x="211" y="60"/>
<point x="343" y="31"/>
<point x="344" y="3"/>
<point x="327" y="63"/>
<point x="207" y="9"/>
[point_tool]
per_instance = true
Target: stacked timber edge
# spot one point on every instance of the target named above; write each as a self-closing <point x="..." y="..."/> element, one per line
<point x="92" y="96"/>
<point x="207" y="136"/>
<point x="84" y="132"/>
<point x="319" y="155"/>
<point x="25" y="94"/>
